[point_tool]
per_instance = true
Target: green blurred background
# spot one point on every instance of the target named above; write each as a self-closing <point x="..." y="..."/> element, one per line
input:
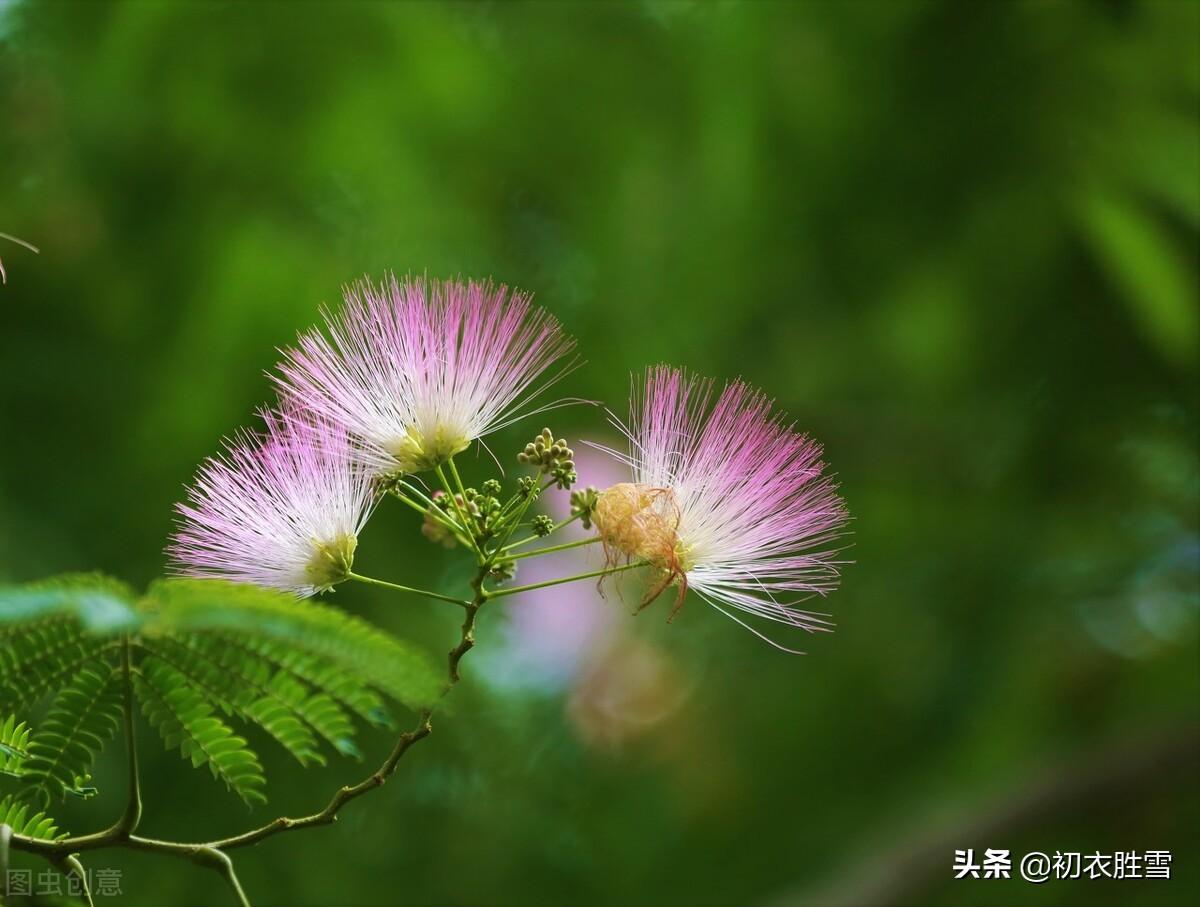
<point x="956" y="241"/>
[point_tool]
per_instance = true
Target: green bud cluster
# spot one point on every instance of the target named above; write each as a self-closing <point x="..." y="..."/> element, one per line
<point x="552" y="458"/>
<point x="435" y="529"/>
<point x="583" y="504"/>
<point x="542" y="526"/>
<point x="483" y="509"/>
<point x="459" y="503"/>
<point x="503" y="570"/>
<point x="528" y="487"/>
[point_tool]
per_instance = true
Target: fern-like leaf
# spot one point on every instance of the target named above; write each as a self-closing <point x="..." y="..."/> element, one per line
<point x="354" y="646"/>
<point x="41" y="656"/>
<point x="26" y="821"/>
<point x="185" y="720"/>
<point x="319" y="693"/>
<point x="345" y="689"/>
<point x="82" y="717"/>
<point x="241" y="688"/>
<point x="299" y="670"/>
<point x="14" y="745"/>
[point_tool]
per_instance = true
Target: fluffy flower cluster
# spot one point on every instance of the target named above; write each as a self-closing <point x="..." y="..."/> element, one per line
<point x="411" y="373"/>
<point x="417" y="370"/>
<point x="281" y="509"/>
<point x="725" y="499"/>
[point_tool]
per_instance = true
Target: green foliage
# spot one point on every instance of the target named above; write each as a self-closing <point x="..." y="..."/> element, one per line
<point x="185" y="719"/>
<point x="40" y="656"/>
<point x="14" y="744"/>
<point x="287" y="678"/>
<point x="242" y="688"/>
<point x="1151" y="272"/>
<point x="353" y="645"/>
<point x="24" y="820"/>
<point x="340" y="688"/>
<point x="200" y="651"/>
<point x="82" y="717"/>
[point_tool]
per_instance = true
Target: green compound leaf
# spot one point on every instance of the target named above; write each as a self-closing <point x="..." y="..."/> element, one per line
<point x="242" y="688"/>
<point x="355" y="647"/>
<point x="82" y="718"/>
<point x="205" y="652"/>
<point x="311" y="694"/>
<point x="184" y="719"/>
<point x="298" y="668"/>
<point x="14" y="745"/>
<point x="41" y="656"/>
<point x="26" y="821"/>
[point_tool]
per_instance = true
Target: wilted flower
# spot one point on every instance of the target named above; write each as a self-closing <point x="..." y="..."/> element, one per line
<point x="281" y="510"/>
<point x="726" y="500"/>
<point x="416" y="370"/>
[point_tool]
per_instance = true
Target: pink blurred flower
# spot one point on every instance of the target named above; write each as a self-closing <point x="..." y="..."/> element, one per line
<point x="725" y="499"/>
<point x="548" y="634"/>
<point x="281" y="510"/>
<point x="416" y="370"/>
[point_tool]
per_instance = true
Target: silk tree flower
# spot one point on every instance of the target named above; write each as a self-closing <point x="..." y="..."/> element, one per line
<point x="282" y="509"/>
<point x="725" y="499"/>
<point x="415" y="370"/>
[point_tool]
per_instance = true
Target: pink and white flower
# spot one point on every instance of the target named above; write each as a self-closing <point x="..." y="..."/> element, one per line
<point x="282" y="509"/>
<point x="415" y="370"/>
<point x="725" y="499"/>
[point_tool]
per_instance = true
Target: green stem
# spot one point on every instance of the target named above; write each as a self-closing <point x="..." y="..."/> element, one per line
<point x="563" y="547"/>
<point x="223" y="865"/>
<point x="512" y="527"/>
<point x="500" y="593"/>
<point x="20" y="242"/>
<point x="462" y="489"/>
<point x="69" y="865"/>
<point x="397" y="587"/>
<point x="434" y="512"/>
<point x="423" y="509"/>
<point x="128" y="823"/>
<point x="462" y="517"/>
<point x="533" y="538"/>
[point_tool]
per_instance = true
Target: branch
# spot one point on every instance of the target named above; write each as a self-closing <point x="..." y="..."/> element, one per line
<point x="129" y="820"/>
<point x="212" y="854"/>
<point x="201" y="854"/>
<point x="69" y="865"/>
<point x="19" y="242"/>
<point x="423" y="729"/>
<point x="344" y="795"/>
<point x="214" y="859"/>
